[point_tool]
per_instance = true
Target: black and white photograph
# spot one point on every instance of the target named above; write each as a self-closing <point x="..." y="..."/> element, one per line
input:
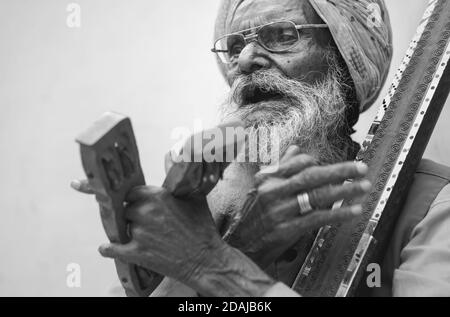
<point x="225" y="148"/>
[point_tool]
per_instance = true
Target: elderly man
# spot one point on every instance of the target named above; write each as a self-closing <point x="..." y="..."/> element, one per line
<point x="306" y="68"/>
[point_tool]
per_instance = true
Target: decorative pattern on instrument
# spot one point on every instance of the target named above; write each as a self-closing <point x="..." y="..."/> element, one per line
<point x="441" y="59"/>
<point x="363" y="235"/>
<point x="398" y="75"/>
<point x="351" y="271"/>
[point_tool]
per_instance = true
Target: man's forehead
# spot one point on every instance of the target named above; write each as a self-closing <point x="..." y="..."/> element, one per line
<point x="253" y="13"/>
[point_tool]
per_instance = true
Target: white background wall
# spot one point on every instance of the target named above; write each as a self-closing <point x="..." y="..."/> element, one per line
<point x="147" y="59"/>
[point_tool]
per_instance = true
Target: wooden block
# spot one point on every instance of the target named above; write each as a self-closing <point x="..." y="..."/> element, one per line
<point x="110" y="160"/>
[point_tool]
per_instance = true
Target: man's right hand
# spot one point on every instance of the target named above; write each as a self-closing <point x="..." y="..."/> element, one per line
<point x="271" y="220"/>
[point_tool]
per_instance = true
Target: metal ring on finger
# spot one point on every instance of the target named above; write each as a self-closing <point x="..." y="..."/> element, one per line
<point x="304" y="204"/>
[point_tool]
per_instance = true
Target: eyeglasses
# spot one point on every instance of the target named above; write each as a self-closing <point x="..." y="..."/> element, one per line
<point x="276" y="37"/>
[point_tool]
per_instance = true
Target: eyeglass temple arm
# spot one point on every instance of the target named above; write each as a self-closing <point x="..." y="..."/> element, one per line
<point x="218" y="51"/>
<point x="311" y="26"/>
<point x="298" y="27"/>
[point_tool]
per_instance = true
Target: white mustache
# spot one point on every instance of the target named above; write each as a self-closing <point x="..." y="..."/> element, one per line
<point x="311" y="116"/>
<point x="265" y="82"/>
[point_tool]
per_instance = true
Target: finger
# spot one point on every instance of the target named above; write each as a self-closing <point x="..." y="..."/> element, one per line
<point x="124" y="252"/>
<point x="138" y="212"/>
<point x="292" y="151"/>
<point x="290" y="167"/>
<point x="318" y="219"/>
<point x="82" y="186"/>
<point x="296" y="165"/>
<point x="232" y="134"/>
<point x="141" y="192"/>
<point x="265" y="173"/>
<point x="327" y="217"/>
<point x="317" y="176"/>
<point x="324" y="197"/>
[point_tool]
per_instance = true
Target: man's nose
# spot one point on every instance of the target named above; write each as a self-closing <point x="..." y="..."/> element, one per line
<point x="252" y="58"/>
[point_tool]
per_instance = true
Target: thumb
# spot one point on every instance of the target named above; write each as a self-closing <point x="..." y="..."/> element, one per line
<point x="82" y="186"/>
<point x="114" y="250"/>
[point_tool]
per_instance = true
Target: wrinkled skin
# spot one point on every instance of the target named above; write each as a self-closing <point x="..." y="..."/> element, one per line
<point x="179" y="239"/>
<point x="229" y="201"/>
<point x="270" y="220"/>
<point x="158" y="223"/>
<point x="304" y="62"/>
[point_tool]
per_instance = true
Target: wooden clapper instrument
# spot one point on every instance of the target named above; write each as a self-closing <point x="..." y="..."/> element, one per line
<point x="393" y="149"/>
<point x="111" y="163"/>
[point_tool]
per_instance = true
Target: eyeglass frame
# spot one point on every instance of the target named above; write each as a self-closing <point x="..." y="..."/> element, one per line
<point x="253" y="37"/>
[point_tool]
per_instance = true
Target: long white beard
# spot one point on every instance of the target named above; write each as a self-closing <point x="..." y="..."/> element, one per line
<point x="310" y="116"/>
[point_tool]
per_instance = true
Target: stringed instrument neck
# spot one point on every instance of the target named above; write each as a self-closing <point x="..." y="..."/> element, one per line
<point x="393" y="150"/>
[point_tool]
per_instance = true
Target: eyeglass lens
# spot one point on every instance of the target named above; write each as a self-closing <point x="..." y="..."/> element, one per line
<point x="275" y="37"/>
